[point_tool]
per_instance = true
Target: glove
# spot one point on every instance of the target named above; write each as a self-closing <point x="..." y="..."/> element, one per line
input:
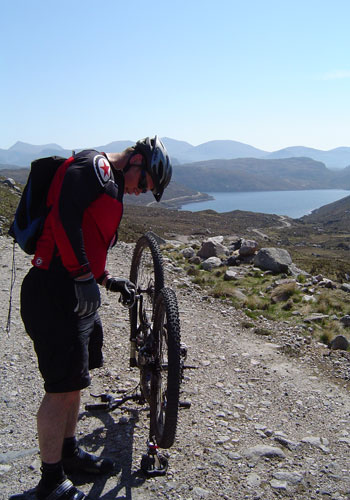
<point x="125" y="287"/>
<point x="88" y="296"/>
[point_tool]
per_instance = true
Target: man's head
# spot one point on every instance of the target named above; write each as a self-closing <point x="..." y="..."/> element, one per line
<point x="156" y="163"/>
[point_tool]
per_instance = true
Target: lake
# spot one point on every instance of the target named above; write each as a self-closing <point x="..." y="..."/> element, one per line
<point x="294" y="204"/>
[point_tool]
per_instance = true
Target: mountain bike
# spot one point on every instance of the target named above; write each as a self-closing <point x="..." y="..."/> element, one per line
<point x="156" y="350"/>
<point x="155" y="340"/>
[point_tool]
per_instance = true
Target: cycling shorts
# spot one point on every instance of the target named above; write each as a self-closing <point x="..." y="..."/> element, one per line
<point x="67" y="346"/>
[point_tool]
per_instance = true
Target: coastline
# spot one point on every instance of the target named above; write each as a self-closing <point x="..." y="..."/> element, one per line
<point x="177" y="203"/>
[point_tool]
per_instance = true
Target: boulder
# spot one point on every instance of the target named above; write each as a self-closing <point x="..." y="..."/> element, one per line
<point x="233" y="260"/>
<point x="248" y="247"/>
<point x="276" y="260"/>
<point x="211" y="247"/>
<point x="345" y="320"/>
<point x="211" y="263"/>
<point x="339" y="342"/>
<point x="345" y="287"/>
<point x="9" y="182"/>
<point x="188" y="253"/>
<point x="230" y="275"/>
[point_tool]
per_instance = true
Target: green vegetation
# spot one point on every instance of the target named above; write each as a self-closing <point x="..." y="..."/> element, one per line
<point x="9" y="201"/>
<point x="275" y="297"/>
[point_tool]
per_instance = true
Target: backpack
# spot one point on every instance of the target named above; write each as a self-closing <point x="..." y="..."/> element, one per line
<point x="31" y="212"/>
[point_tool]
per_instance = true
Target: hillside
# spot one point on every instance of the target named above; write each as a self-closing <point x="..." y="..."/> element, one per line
<point x="269" y="402"/>
<point x="332" y="217"/>
<point x="250" y="174"/>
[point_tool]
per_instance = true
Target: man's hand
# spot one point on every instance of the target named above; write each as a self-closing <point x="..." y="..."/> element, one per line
<point x="123" y="286"/>
<point x="87" y="294"/>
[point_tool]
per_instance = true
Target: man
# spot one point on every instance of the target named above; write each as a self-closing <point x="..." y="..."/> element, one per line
<point x="60" y="294"/>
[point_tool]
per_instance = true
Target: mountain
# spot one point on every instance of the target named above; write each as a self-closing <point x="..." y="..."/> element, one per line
<point x="250" y="174"/>
<point x="182" y="152"/>
<point x="211" y="150"/>
<point x="112" y="147"/>
<point x="334" y="158"/>
<point x="22" y="154"/>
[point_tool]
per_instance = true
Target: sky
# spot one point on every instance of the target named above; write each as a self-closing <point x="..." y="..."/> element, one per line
<point x="83" y="73"/>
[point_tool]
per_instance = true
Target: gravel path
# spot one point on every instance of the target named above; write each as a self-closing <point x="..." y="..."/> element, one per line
<point x="269" y="415"/>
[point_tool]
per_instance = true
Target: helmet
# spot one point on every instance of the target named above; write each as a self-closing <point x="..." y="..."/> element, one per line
<point x="158" y="163"/>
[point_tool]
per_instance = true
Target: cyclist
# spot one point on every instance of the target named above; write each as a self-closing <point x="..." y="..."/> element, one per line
<point x="60" y="294"/>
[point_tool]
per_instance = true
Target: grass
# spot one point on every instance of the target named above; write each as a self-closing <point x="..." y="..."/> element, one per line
<point x="9" y="201"/>
<point x="258" y="296"/>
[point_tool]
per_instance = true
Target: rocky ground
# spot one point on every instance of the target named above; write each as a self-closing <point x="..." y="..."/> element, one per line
<point x="269" y="417"/>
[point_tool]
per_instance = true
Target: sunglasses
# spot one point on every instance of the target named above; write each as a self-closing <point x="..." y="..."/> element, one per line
<point x="143" y="184"/>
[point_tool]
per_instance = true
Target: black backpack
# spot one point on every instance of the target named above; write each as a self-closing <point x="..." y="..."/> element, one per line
<point x="31" y="212"/>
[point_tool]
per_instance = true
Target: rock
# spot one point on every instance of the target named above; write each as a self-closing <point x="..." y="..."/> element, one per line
<point x="211" y="263"/>
<point x="339" y="343"/>
<point x="308" y="298"/>
<point x="291" y="445"/>
<point x="345" y="320"/>
<point x="9" y="182"/>
<point x="315" y="317"/>
<point x="290" y="477"/>
<point x="318" y="442"/>
<point x="260" y="451"/>
<point x="188" y="253"/>
<point x="345" y="287"/>
<point x="230" y="275"/>
<point x="253" y="480"/>
<point x="195" y="260"/>
<point x="327" y="284"/>
<point x="233" y="260"/>
<point x="248" y="247"/>
<point x="278" y="485"/>
<point x="276" y="260"/>
<point x="199" y="492"/>
<point x="296" y="271"/>
<point x="211" y="247"/>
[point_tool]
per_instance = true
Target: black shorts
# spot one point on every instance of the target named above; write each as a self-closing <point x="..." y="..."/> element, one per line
<point x="67" y="346"/>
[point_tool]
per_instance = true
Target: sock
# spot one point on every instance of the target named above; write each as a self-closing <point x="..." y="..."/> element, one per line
<point x="70" y="445"/>
<point x="51" y="475"/>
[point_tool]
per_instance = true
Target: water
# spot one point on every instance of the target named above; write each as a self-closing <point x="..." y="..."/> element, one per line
<point x="294" y="204"/>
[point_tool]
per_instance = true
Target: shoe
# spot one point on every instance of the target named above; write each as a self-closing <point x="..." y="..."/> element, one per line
<point x="63" y="491"/>
<point x="82" y="461"/>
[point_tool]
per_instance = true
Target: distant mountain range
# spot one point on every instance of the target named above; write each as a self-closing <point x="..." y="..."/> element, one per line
<point x="21" y="154"/>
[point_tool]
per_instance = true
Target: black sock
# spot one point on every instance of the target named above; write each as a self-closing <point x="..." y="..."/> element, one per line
<point x="70" y="445"/>
<point x="51" y="475"/>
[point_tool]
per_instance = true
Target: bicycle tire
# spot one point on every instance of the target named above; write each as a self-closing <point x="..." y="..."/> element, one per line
<point x="166" y="375"/>
<point x="147" y="273"/>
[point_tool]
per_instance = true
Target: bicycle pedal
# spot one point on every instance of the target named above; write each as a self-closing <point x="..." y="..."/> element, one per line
<point x="185" y="404"/>
<point x="154" y="465"/>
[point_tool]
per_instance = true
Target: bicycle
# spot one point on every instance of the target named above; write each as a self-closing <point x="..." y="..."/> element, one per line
<point x="156" y="350"/>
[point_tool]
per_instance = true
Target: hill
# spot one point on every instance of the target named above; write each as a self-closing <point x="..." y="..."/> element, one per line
<point x="250" y="174"/>
<point x="334" y="158"/>
<point x="332" y="217"/>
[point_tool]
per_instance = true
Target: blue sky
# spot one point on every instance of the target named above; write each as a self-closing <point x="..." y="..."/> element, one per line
<point x="84" y="73"/>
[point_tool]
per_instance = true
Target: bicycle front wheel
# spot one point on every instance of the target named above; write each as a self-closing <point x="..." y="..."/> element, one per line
<point x="147" y="273"/>
<point x="166" y="375"/>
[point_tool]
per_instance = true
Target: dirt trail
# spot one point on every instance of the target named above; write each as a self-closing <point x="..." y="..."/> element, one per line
<point x="268" y="419"/>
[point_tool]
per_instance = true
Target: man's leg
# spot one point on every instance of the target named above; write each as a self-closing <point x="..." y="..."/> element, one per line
<point x="57" y="419"/>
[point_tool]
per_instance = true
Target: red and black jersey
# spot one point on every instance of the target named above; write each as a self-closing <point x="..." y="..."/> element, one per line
<point x="86" y="206"/>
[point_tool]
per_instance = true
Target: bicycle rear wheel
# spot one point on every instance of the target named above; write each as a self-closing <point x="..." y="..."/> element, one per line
<point x="147" y="273"/>
<point x="166" y="375"/>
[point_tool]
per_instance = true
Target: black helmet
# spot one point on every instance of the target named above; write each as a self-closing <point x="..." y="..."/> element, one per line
<point x="158" y="163"/>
